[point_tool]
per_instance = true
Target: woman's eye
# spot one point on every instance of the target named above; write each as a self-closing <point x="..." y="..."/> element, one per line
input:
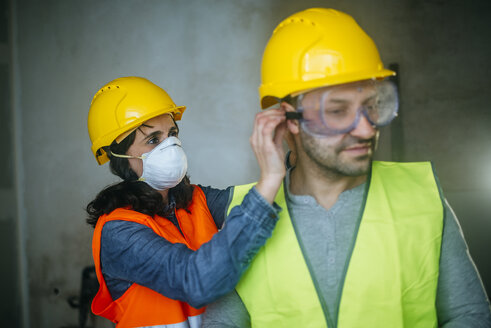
<point x="153" y="140"/>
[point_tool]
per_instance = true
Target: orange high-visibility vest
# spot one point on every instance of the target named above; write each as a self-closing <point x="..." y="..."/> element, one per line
<point x="140" y="306"/>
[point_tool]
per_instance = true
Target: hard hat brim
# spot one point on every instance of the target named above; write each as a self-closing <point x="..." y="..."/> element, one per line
<point x="97" y="147"/>
<point x="272" y="93"/>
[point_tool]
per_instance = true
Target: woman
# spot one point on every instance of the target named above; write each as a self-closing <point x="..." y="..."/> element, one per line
<point x="157" y="259"/>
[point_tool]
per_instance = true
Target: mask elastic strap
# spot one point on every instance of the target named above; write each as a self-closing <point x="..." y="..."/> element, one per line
<point x="129" y="156"/>
<point x="125" y="156"/>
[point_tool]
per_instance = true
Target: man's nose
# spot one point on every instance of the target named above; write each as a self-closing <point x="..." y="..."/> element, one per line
<point x="364" y="129"/>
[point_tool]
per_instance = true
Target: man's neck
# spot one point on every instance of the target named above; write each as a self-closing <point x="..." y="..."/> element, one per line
<point x="325" y="187"/>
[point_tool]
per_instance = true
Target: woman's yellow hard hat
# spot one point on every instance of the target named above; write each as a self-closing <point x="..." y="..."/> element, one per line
<point x="121" y="106"/>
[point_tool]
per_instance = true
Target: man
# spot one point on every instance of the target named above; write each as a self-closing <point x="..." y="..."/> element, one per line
<point x="358" y="243"/>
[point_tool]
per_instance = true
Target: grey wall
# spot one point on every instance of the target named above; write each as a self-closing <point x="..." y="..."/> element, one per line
<point x="9" y="282"/>
<point x="207" y="55"/>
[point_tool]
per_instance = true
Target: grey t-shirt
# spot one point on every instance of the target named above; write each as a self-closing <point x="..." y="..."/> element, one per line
<point x="327" y="235"/>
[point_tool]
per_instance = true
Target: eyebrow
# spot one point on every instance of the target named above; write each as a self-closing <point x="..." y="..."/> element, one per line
<point x="157" y="133"/>
<point x="339" y="101"/>
<point x="370" y="98"/>
<point x="152" y="135"/>
<point x="344" y="101"/>
<point x="145" y="125"/>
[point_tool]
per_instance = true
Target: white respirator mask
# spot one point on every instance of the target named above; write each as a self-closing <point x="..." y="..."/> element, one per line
<point x="164" y="166"/>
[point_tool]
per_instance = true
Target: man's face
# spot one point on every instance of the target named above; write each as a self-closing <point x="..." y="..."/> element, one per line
<point x="347" y="154"/>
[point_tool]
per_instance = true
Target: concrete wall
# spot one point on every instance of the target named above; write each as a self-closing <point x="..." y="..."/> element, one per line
<point x="9" y="283"/>
<point x="207" y="55"/>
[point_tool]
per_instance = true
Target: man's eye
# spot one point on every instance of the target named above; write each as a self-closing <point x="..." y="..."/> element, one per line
<point x="371" y="108"/>
<point x="335" y="111"/>
<point x="173" y="133"/>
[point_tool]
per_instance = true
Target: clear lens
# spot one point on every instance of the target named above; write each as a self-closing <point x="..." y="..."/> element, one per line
<point x="387" y="103"/>
<point x="335" y="110"/>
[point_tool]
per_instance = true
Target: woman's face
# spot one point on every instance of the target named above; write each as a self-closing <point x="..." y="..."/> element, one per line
<point x="149" y="135"/>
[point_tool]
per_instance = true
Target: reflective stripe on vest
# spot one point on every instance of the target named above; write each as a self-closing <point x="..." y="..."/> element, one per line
<point x="392" y="276"/>
<point x="140" y="306"/>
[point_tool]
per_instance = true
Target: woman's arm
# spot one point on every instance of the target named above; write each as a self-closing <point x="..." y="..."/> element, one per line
<point x="132" y="252"/>
<point x="136" y="254"/>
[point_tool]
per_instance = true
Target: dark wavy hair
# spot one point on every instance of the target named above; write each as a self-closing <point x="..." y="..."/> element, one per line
<point x="134" y="194"/>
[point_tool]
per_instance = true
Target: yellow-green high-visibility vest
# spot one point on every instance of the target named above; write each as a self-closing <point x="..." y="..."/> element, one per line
<point x="392" y="273"/>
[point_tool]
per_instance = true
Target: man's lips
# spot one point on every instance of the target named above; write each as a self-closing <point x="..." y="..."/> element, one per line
<point x="359" y="149"/>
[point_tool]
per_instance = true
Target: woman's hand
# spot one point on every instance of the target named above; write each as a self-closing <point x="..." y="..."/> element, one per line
<point x="266" y="142"/>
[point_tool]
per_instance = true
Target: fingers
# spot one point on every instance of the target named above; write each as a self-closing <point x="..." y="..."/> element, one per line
<point x="280" y="132"/>
<point x="266" y="141"/>
<point x="266" y="124"/>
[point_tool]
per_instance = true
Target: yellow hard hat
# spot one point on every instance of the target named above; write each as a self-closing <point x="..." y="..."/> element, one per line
<point x="121" y="106"/>
<point x="314" y="48"/>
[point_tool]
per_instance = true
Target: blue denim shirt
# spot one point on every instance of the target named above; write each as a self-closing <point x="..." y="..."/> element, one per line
<point x="133" y="253"/>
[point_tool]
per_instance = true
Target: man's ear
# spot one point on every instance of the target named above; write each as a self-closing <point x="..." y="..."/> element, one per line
<point x="292" y="125"/>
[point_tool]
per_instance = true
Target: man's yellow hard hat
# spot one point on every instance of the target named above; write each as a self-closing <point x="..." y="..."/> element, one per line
<point x="121" y="106"/>
<point x="314" y="48"/>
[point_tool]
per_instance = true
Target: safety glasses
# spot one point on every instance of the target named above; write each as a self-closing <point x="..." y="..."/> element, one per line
<point x="337" y="110"/>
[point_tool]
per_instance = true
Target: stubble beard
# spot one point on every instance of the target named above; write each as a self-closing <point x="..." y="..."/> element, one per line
<point x="329" y="159"/>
